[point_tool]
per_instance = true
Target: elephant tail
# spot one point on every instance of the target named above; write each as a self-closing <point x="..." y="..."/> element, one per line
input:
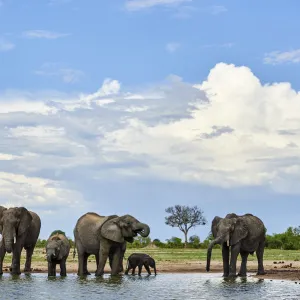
<point x="74" y="252"/>
<point x="127" y="264"/>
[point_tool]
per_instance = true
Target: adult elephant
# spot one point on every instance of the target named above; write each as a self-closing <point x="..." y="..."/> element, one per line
<point x="105" y="237"/>
<point x="20" y="229"/>
<point x="238" y="235"/>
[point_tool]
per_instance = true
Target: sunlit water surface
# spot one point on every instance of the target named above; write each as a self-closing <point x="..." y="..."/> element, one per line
<point x="163" y="286"/>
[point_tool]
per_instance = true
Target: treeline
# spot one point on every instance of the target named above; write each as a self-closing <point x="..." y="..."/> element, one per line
<point x="288" y="240"/>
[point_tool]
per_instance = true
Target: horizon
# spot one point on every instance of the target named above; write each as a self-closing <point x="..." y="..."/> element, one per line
<point x="132" y="106"/>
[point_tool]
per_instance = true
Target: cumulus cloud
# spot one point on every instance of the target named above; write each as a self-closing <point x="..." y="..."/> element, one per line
<point x="278" y="57"/>
<point x="228" y="131"/>
<point x="21" y="190"/>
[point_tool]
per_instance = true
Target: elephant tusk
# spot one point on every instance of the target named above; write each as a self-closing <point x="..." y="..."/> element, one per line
<point x="227" y="243"/>
<point x="15" y="240"/>
<point x="1" y="237"/>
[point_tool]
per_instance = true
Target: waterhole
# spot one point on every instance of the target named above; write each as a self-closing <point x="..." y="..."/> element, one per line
<point x="163" y="286"/>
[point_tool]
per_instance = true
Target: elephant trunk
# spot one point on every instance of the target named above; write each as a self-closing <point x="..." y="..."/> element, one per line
<point x="209" y="250"/>
<point x="9" y="241"/>
<point x="143" y="229"/>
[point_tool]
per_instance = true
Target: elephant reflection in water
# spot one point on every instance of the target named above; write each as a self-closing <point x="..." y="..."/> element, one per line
<point x="238" y="235"/>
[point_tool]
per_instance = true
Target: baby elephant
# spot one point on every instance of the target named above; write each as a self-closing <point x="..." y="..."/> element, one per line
<point x="57" y="249"/>
<point x="139" y="260"/>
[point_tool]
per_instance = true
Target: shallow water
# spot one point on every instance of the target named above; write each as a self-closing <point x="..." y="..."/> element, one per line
<point x="163" y="286"/>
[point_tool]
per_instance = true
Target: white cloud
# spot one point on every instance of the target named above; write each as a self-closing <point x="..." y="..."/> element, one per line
<point x="6" y="45"/>
<point x="68" y="75"/>
<point x="172" y="47"/>
<point x="20" y="190"/>
<point x="134" y="5"/>
<point x="43" y="34"/>
<point x="277" y="57"/>
<point x="229" y="130"/>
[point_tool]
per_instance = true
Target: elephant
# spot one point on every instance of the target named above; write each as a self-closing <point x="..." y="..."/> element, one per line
<point x="243" y="235"/>
<point x="139" y="260"/>
<point x="105" y="237"/>
<point x="57" y="251"/>
<point x="20" y="229"/>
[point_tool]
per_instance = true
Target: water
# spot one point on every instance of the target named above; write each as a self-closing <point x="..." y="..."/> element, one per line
<point x="163" y="286"/>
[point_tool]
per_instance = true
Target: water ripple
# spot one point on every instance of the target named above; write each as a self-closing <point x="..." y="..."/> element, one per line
<point x="163" y="286"/>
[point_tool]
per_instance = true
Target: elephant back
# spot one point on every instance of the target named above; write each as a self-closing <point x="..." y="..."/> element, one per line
<point x="33" y="230"/>
<point x="87" y="231"/>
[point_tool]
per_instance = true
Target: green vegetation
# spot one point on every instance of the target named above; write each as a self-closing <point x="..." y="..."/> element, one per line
<point x="289" y="240"/>
<point x="185" y="218"/>
<point x="168" y="255"/>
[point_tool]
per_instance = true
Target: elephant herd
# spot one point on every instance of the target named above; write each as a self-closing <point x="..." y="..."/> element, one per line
<point x="106" y="238"/>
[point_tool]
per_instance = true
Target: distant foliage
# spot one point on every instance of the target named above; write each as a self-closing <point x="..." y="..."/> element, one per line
<point x="194" y="241"/>
<point x="41" y="243"/>
<point x="140" y="242"/>
<point x="289" y="240"/>
<point x="185" y="218"/>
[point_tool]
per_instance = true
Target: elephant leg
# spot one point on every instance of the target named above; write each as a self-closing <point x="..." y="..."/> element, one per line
<point x="103" y="255"/>
<point x="63" y="269"/>
<point x="51" y="268"/>
<point x="128" y="267"/>
<point x="147" y="268"/>
<point x="243" y="269"/>
<point x="2" y="255"/>
<point x="110" y="259"/>
<point x="140" y="269"/>
<point x="235" y="250"/>
<point x="29" y="253"/>
<point x="80" y="264"/>
<point x="260" y="257"/>
<point x="85" y="261"/>
<point x="123" y="250"/>
<point x="133" y="270"/>
<point x="97" y="259"/>
<point x="225" y="255"/>
<point x="116" y="262"/>
<point x="16" y="261"/>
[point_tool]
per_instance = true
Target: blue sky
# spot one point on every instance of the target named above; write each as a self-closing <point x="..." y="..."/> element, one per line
<point x="133" y="106"/>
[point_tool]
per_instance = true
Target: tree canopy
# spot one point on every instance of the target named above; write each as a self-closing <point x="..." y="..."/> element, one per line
<point x="185" y="218"/>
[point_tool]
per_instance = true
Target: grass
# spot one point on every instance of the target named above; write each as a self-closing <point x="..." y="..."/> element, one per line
<point x="173" y="255"/>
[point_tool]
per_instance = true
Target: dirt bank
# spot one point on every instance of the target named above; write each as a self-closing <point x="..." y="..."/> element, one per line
<point x="287" y="270"/>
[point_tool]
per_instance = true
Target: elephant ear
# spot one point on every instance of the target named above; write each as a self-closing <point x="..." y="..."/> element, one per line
<point x="240" y="231"/>
<point x="111" y="230"/>
<point x="2" y="209"/>
<point x="214" y="225"/>
<point x="63" y="249"/>
<point x="25" y="219"/>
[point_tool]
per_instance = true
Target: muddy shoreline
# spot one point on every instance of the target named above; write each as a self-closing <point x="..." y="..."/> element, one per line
<point x="282" y="270"/>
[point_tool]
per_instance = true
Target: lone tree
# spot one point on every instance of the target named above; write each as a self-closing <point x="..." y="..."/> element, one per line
<point x="185" y="218"/>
